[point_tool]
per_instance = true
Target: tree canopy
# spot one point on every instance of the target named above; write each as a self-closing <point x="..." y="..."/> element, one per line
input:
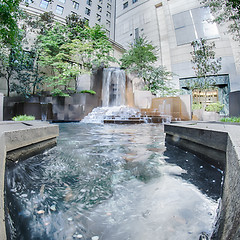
<point x="226" y="11"/>
<point x="140" y="60"/>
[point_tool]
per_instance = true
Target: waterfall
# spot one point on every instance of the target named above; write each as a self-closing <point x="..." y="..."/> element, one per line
<point x="113" y="88"/>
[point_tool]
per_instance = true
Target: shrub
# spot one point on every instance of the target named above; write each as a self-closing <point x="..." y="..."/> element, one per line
<point x="23" y="118"/>
<point x="214" y="107"/>
<point x="231" y="119"/>
<point x="196" y="106"/>
<point x="88" y="91"/>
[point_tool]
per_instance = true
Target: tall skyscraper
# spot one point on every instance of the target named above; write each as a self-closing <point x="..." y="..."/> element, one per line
<point x="101" y="12"/>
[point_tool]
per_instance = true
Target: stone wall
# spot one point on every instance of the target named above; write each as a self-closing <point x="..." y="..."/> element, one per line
<point x="219" y="144"/>
<point x="62" y="109"/>
<point x="19" y="140"/>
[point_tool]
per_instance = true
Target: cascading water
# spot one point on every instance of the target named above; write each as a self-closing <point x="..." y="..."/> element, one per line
<point x="113" y="99"/>
<point x="113" y="89"/>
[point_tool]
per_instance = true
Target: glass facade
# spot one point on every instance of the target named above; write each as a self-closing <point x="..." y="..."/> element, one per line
<point x="194" y="24"/>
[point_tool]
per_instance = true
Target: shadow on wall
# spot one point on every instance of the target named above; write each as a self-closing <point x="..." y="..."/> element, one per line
<point x="58" y="109"/>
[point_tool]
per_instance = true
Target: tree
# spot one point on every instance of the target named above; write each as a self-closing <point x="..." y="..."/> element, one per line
<point x="72" y="49"/>
<point x="9" y="15"/>
<point x="226" y="11"/>
<point x="139" y="60"/>
<point x="205" y="65"/>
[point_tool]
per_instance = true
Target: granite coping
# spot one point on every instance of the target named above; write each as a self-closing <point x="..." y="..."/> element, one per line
<point x="186" y="133"/>
<point x="21" y="137"/>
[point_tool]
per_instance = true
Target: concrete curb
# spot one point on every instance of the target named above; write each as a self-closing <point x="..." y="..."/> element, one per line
<point x="219" y="144"/>
<point x="19" y="140"/>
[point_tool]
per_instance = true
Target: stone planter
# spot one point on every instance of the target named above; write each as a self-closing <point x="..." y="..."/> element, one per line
<point x="210" y="116"/>
<point x="201" y="115"/>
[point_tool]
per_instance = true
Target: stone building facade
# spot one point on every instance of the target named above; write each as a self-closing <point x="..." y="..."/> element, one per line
<point x="171" y="25"/>
<point x="101" y="12"/>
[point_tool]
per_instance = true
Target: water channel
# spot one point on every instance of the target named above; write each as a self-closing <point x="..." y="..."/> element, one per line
<point x="112" y="182"/>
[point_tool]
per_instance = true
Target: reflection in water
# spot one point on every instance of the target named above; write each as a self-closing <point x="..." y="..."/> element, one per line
<point x="112" y="182"/>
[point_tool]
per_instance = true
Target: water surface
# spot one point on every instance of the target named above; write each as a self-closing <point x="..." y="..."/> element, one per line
<point x="112" y="182"/>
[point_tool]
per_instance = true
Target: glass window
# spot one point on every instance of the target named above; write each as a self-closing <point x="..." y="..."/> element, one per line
<point x="44" y="4"/>
<point x="98" y="18"/>
<point x="87" y="11"/>
<point x="108" y="14"/>
<point x="194" y="24"/>
<point x="100" y="1"/>
<point x="75" y="5"/>
<point x="125" y="5"/>
<point x="108" y="23"/>
<point x="109" y="7"/>
<point x="136" y="33"/>
<point x="99" y="8"/>
<point x="89" y="2"/>
<point x="134" y="1"/>
<point x="59" y="10"/>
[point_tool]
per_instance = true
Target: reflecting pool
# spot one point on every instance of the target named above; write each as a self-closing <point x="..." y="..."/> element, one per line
<point x="112" y="182"/>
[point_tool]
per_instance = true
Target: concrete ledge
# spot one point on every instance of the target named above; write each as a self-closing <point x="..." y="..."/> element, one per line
<point x="220" y="144"/>
<point x="19" y="140"/>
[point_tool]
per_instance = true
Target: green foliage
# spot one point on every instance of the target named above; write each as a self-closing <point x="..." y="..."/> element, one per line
<point x="23" y="118"/>
<point x="9" y="15"/>
<point x="88" y="91"/>
<point x="66" y="51"/>
<point x="139" y="60"/>
<point x="158" y="81"/>
<point x="203" y="58"/>
<point x="231" y="119"/>
<point x="197" y="106"/>
<point x="214" y="107"/>
<point x="140" y="56"/>
<point x="226" y="11"/>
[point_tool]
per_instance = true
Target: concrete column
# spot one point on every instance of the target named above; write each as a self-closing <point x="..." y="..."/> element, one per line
<point x="1" y="106"/>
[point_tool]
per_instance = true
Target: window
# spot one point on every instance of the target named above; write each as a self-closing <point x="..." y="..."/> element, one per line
<point x="62" y="1"/>
<point x="44" y="4"/>
<point x="108" y="14"/>
<point x="59" y="10"/>
<point x="100" y="1"/>
<point x="108" y="23"/>
<point x="99" y="8"/>
<point x="109" y="7"/>
<point x="125" y="5"/>
<point x="75" y="5"/>
<point x="108" y="33"/>
<point x="136" y="33"/>
<point x="134" y="1"/>
<point x="194" y="24"/>
<point x="87" y="11"/>
<point x="89" y="2"/>
<point x="98" y="18"/>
